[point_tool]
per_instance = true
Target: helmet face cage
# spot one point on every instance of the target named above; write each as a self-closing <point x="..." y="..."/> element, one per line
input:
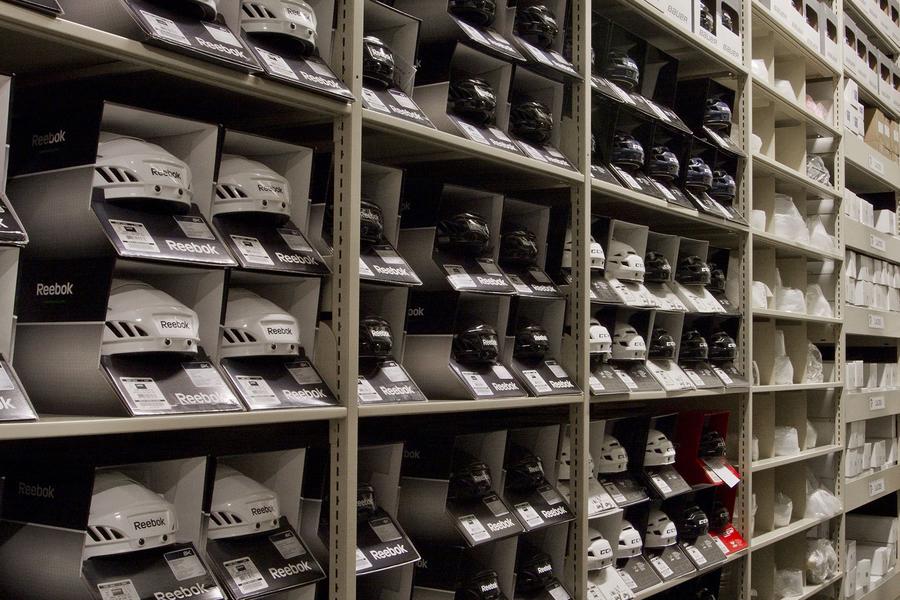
<point x="699" y="175"/>
<point x="662" y="345"/>
<point x="292" y="20"/>
<point x="140" y="318"/>
<point x="693" y="346"/>
<point x="621" y="69"/>
<point x="657" y="267"/>
<point x="378" y="62"/>
<point x="465" y="234"/>
<point x="627" y="152"/>
<point x="630" y="542"/>
<point x="483" y="585"/>
<point x="525" y="473"/>
<point x="131" y="169"/>
<point x="600" y="341"/>
<point x="241" y="506"/>
<point x="613" y="458"/>
<point x="531" y="121"/>
<point x="532" y="342"/>
<point x="255" y="326"/>
<point x="246" y="185"/>
<point x="663" y="164"/>
<point x="125" y="516"/>
<point x="472" y="99"/>
<point x="628" y="344"/>
<point x="470" y="480"/>
<point x="600" y="552"/>
<point x="723" y="186"/>
<point x="534" y="573"/>
<point x="712" y="444"/>
<point x="518" y="247"/>
<point x="717" y="114"/>
<point x="476" y="344"/>
<point x="477" y="12"/>
<point x="537" y="26"/>
<point x="659" y="450"/>
<point x="371" y="222"/>
<point x="375" y="338"/>
<point x="722" y="346"/>
<point x="693" y="523"/>
<point x="692" y="270"/>
<point x="661" y="531"/>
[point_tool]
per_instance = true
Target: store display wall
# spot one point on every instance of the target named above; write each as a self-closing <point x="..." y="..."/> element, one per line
<point x="578" y="299"/>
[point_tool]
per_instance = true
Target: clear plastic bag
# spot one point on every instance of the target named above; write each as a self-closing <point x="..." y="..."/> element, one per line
<point x="816" y="170"/>
<point x="788" y="583"/>
<point x="755" y="448"/>
<point x="783" y="509"/>
<point x="787" y="222"/>
<point x="821" y="561"/>
<point x="760" y="294"/>
<point x="814" y="371"/>
<point x="816" y="302"/>
<point x="782" y="371"/>
<point x="787" y="441"/>
<point x="790" y="299"/>
<point x="820" y="501"/>
<point x="812" y="436"/>
<point x="818" y="234"/>
<point x="758" y="219"/>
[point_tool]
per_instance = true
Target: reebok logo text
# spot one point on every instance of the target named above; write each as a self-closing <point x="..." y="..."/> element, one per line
<point x="500" y="525"/>
<point x="149" y="523"/>
<point x="292" y="569"/>
<point x="37" y="491"/>
<point x="236" y="52"/>
<point x="183" y="592"/>
<point x="395" y="550"/>
<point x="193" y="247"/>
<point x="47" y="139"/>
<point x="55" y="289"/>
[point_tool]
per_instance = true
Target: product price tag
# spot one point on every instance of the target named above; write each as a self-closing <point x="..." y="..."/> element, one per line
<point x="537" y="381"/>
<point x="493" y="503"/>
<point x="222" y="34"/>
<point x="185" y="564"/>
<point x="596" y="505"/>
<point x="385" y="529"/>
<point x="395" y="373"/>
<point x="252" y="250"/>
<point x="287" y="544"/>
<point x="472" y="132"/>
<point x="661" y="484"/>
<point x="875" y="402"/>
<point x="721" y="545"/>
<point x="118" y="590"/>
<point x="876" y="165"/>
<point x="557" y="370"/>
<point x="145" y="394"/>
<point x="403" y="100"/>
<point x="202" y="375"/>
<point x="695" y="379"/>
<point x="276" y="64"/>
<point x="304" y="374"/>
<point x="366" y="392"/>
<point x="362" y="562"/>
<point x="617" y="496"/>
<point x="528" y="514"/>
<point x="256" y="389"/>
<point x="628" y="579"/>
<point x="374" y="102"/>
<point x="723" y="471"/>
<point x="532" y="152"/>
<point x="477" y="383"/>
<point x="723" y="375"/>
<point x="550" y="495"/>
<point x="876" y="487"/>
<point x="165" y="28"/>
<point x="661" y="567"/>
<point x="388" y="255"/>
<point x="696" y="555"/>
<point x="558" y="592"/>
<point x="474" y="527"/>
<point x="294" y="239"/>
<point x="134" y="236"/>
<point x="629" y="180"/>
<point x="473" y="32"/>
<point x="596" y="386"/>
<point x="875" y="321"/>
<point x="458" y="277"/>
<point x="245" y="575"/>
<point x="501" y="372"/>
<point x="194" y="228"/>
<point x="665" y="191"/>
<point x="519" y="285"/>
<point x="364" y="269"/>
<point x="877" y="243"/>
<point x="6" y="383"/>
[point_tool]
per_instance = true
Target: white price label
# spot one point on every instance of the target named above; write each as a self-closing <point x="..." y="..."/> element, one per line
<point x="222" y="34"/>
<point x="695" y="554"/>
<point x="877" y="243"/>
<point x="458" y="277"/>
<point x="875" y="321"/>
<point x="723" y="471"/>
<point x="195" y="228"/>
<point x="501" y="372"/>
<point x="532" y="152"/>
<point x="395" y="373"/>
<point x="366" y="392"/>
<point x="320" y="68"/>
<point x="256" y="390"/>
<point x="558" y="592"/>
<point x="403" y="100"/>
<point x="665" y="191"/>
<point x="557" y="370"/>
<point x="361" y="561"/>
<point x="295" y="240"/>
<point x="202" y="375"/>
<point x="723" y="376"/>
<point x="472" y="132"/>
<point x="695" y="379"/>
<point x="537" y="381"/>
<point x="245" y="575"/>
<point x="629" y="581"/>
<point x="876" y="165"/>
<point x="528" y="514"/>
<point x="661" y="484"/>
<point x="629" y="179"/>
<point x="287" y="544"/>
<point x="252" y="250"/>
<point x="471" y="524"/>
<point x="372" y="101"/>
<point x="519" y="285"/>
<point x="477" y="384"/>
<point x="661" y="567"/>
<point x="876" y="487"/>
<point x="626" y="379"/>
<point x="718" y="541"/>
<point x="145" y="394"/>
<point x="118" y="590"/>
<point x="304" y="374"/>
<point x="596" y="386"/>
<point x="166" y="28"/>
<point x="134" y="236"/>
<point x="185" y="564"/>
<point x="474" y="33"/>
<point x="389" y="256"/>
<point x="276" y="64"/>
<point x="876" y="403"/>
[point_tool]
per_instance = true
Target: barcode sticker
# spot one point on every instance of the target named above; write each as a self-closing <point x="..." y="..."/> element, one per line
<point x="134" y="236"/>
<point x="277" y="65"/>
<point x="245" y="575"/>
<point x="118" y="590"/>
<point x="557" y="370"/>
<point x="166" y="28"/>
<point x="194" y="228"/>
<point x="252" y="250"/>
<point x="395" y="373"/>
<point x="361" y="561"/>
<point x="876" y="403"/>
<point x="185" y="564"/>
<point x="537" y="381"/>
<point x="256" y="390"/>
<point x="474" y="527"/>
<point x="876" y="487"/>
<point x="528" y="514"/>
<point x="222" y="34"/>
<point x="458" y="277"/>
<point x="145" y="394"/>
<point x="477" y="384"/>
<point x="366" y="392"/>
<point x="501" y="372"/>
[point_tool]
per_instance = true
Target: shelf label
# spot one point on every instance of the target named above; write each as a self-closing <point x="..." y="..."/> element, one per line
<point x="877" y="243"/>
<point x="876" y="403"/>
<point x="875" y="321"/>
<point x="876" y="165"/>
<point x="876" y="487"/>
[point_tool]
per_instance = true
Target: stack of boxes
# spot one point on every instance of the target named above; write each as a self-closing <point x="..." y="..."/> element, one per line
<point x="871" y="552"/>
<point x="872" y="283"/>
<point x="871" y="446"/>
<point x="871" y="376"/>
<point x="881" y="132"/>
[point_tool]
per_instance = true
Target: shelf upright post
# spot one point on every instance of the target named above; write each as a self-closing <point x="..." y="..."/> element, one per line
<point x="344" y="432"/>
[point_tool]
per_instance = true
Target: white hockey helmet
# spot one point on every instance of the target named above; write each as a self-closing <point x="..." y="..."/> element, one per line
<point x="125" y="516"/>
<point x="240" y="505"/>
<point x="596" y="257"/>
<point x="628" y="343"/>
<point x="600" y="552"/>
<point x="294" y="19"/>
<point x="659" y="450"/>
<point x="613" y="458"/>
<point x="130" y="168"/>
<point x="599" y="340"/>
<point x="630" y="543"/>
<point x="624" y="262"/>
<point x="661" y="531"/>
<point x="255" y="326"/>
<point x="141" y="318"/>
<point x="206" y="8"/>
<point x="249" y="186"/>
<point x="564" y="470"/>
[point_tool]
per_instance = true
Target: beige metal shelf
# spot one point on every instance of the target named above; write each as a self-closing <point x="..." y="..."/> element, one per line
<point x="789" y="111"/>
<point x="660" y="587"/>
<point x="455" y="406"/>
<point x="865" y="489"/>
<point x="870" y="321"/>
<point x="869" y="240"/>
<point x="796" y="387"/>
<point x="870" y="97"/>
<point x="867" y="169"/>
<point x="790" y="248"/>
<point x="888" y="588"/>
<point x="870" y="404"/>
<point x="53" y="426"/>
<point x="783" y="315"/>
<point x="776" y="535"/>
<point x="778" y="461"/>
<point x="873" y="29"/>
<point x="763" y="165"/>
<point x="816" y="65"/>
